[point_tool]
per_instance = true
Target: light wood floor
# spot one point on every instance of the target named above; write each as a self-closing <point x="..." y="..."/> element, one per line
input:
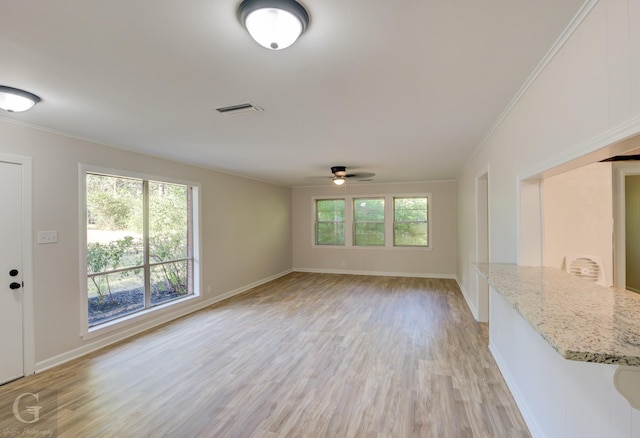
<point x="307" y="355"/>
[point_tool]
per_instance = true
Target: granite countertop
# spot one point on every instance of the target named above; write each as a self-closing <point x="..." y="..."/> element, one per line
<point x="581" y="320"/>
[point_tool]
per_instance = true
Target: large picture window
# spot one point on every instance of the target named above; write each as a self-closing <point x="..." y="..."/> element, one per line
<point x="329" y="222"/>
<point x="139" y="244"/>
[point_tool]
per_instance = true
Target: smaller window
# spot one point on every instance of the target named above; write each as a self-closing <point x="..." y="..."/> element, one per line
<point x="330" y="221"/>
<point x="368" y="221"/>
<point x="410" y="225"/>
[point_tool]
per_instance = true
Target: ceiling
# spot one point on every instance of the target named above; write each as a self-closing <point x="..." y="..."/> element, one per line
<point x="405" y="89"/>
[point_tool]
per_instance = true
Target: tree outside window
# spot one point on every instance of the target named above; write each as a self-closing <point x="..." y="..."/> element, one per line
<point x="410" y="226"/>
<point x="368" y="221"/>
<point x="330" y="222"/>
<point x="139" y="245"/>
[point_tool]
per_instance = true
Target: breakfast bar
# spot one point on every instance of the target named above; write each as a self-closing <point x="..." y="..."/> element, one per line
<point x="568" y="348"/>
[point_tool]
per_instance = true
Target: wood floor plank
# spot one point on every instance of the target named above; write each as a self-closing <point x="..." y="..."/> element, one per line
<point x="307" y="355"/>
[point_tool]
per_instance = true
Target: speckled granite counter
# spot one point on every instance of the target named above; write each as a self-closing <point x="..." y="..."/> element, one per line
<point x="581" y="320"/>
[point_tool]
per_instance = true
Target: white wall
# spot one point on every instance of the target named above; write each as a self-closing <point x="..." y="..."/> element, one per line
<point x="578" y="216"/>
<point x="246" y="229"/>
<point x="439" y="261"/>
<point x="585" y="98"/>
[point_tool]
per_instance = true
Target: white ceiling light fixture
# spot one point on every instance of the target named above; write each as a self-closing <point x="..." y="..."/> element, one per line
<point x="274" y="24"/>
<point x="339" y="175"/>
<point x="15" y="100"/>
<point x="339" y="180"/>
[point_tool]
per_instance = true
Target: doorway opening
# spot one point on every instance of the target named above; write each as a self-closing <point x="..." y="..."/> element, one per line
<point x="626" y="184"/>
<point x="580" y="211"/>
<point x="482" y="243"/>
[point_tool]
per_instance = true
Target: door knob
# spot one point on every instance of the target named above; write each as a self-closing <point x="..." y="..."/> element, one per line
<point x="13" y="272"/>
<point x="15" y="285"/>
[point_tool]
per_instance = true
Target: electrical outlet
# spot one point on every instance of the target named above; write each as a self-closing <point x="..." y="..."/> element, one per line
<point x="209" y="290"/>
<point x="47" y="237"/>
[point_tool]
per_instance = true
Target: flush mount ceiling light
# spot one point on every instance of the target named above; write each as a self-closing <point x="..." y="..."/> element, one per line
<point x="15" y="100"/>
<point x="274" y="24"/>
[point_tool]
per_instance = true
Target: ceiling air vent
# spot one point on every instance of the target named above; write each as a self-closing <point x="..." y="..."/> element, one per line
<point x="236" y="110"/>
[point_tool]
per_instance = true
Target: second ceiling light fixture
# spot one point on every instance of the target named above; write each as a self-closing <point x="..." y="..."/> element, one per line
<point x="274" y="24"/>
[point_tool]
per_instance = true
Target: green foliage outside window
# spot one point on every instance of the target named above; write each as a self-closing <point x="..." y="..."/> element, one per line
<point x="168" y="239"/>
<point x="330" y="222"/>
<point x="116" y="238"/>
<point x="410" y="227"/>
<point x="106" y="256"/>
<point x="368" y="218"/>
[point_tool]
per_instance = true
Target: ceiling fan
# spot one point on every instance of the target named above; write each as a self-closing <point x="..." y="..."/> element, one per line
<point x="340" y="175"/>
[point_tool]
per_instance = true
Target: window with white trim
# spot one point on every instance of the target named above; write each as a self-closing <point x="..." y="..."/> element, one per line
<point x="140" y="244"/>
<point x="368" y="222"/>
<point x="329" y="223"/>
<point x="379" y="221"/>
<point x="410" y="225"/>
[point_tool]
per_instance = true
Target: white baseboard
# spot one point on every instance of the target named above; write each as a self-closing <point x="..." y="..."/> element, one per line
<point x="532" y="424"/>
<point x="465" y="294"/>
<point x="134" y="329"/>
<point x="376" y="273"/>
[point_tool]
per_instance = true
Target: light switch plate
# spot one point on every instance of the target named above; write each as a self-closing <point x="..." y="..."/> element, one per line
<point x="47" y="237"/>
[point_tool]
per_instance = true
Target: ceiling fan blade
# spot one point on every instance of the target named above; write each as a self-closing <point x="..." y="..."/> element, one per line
<point x="318" y="178"/>
<point x="340" y="172"/>
<point x="361" y="175"/>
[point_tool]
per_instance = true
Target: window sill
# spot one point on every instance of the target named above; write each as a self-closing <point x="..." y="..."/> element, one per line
<point x="374" y="247"/>
<point x="139" y="317"/>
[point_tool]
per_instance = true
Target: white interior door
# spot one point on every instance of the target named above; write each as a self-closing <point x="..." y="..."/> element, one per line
<point x="11" y="295"/>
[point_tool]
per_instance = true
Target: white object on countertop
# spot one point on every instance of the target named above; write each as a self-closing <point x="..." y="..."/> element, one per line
<point x="588" y="267"/>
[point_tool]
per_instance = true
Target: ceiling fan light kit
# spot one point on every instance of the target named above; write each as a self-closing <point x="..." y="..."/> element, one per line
<point x="15" y="100"/>
<point x="340" y="175"/>
<point x="274" y="24"/>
